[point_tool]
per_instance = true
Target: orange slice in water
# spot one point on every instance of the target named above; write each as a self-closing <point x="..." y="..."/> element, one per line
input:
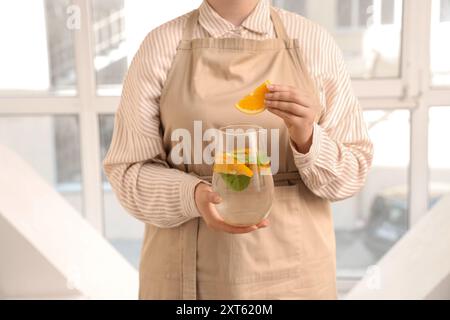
<point x="227" y="164"/>
<point x="234" y="169"/>
<point x="254" y="102"/>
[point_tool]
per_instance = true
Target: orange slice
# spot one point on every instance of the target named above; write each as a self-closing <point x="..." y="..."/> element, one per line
<point x="226" y="163"/>
<point x="254" y="102"/>
<point x="234" y="169"/>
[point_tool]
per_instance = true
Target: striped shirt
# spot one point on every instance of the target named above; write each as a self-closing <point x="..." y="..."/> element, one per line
<point x="335" y="167"/>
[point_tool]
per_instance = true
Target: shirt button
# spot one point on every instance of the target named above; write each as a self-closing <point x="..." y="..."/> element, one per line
<point x="238" y="31"/>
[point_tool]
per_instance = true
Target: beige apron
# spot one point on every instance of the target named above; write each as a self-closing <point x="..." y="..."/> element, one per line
<point x="293" y="258"/>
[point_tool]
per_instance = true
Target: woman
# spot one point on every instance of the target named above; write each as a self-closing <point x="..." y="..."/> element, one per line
<point x="195" y="68"/>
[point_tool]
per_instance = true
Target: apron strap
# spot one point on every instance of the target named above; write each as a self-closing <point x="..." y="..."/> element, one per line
<point x="278" y="25"/>
<point x="191" y="23"/>
<point x="188" y="32"/>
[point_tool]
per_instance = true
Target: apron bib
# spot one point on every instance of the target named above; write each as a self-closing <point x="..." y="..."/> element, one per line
<point x="293" y="258"/>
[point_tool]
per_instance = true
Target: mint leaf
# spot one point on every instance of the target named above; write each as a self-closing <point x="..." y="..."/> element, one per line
<point x="236" y="182"/>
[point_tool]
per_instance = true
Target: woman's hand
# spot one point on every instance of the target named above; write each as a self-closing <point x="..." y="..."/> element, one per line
<point x="298" y="109"/>
<point x="206" y="198"/>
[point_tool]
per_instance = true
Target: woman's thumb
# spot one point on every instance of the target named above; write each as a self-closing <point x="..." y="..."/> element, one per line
<point x="214" y="197"/>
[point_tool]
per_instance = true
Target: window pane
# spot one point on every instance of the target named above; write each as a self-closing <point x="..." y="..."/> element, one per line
<point x="440" y="50"/>
<point x="121" y="229"/>
<point x="298" y="6"/>
<point x="387" y="11"/>
<point x="368" y="32"/>
<point x="368" y="224"/>
<point x="119" y="26"/>
<point x="51" y="145"/>
<point x="37" y="46"/>
<point x="344" y="13"/>
<point x="439" y="154"/>
<point x="445" y="11"/>
<point x="365" y="12"/>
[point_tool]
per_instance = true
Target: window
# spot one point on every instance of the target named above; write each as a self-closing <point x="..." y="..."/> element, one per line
<point x="440" y="50"/>
<point x="439" y="154"/>
<point x="120" y="228"/>
<point x="67" y="150"/>
<point x="365" y="8"/>
<point x="109" y="48"/>
<point x="368" y="32"/>
<point x="369" y="224"/>
<point x="43" y="60"/>
<point x="344" y="13"/>
<point x="50" y="144"/>
<point x="361" y="13"/>
<point x="298" y="6"/>
<point x="353" y="13"/>
<point x="119" y="26"/>
<point x="445" y="11"/>
<point x="387" y="11"/>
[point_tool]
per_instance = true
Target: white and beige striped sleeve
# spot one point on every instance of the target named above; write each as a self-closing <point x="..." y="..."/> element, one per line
<point x="338" y="162"/>
<point x="136" y="161"/>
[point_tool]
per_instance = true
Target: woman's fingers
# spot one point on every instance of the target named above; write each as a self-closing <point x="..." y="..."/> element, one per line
<point x="289" y="94"/>
<point x="263" y="224"/>
<point x="207" y="194"/>
<point x="280" y="88"/>
<point x="289" y="107"/>
<point x="287" y="117"/>
<point x="213" y="197"/>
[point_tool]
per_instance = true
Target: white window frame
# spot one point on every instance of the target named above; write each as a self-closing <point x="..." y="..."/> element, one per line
<point x="413" y="91"/>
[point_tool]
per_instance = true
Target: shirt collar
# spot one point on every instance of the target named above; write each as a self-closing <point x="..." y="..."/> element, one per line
<point x="258" y="21"/>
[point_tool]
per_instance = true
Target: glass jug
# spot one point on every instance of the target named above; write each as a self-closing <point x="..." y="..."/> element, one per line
<point x="242" y="175"/>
